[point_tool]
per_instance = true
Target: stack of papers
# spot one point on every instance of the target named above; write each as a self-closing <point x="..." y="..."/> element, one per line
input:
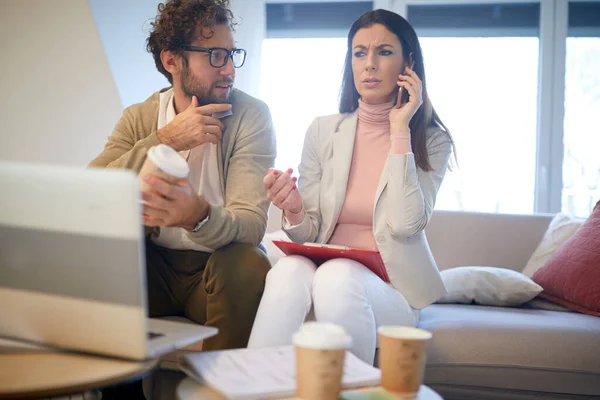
<point x="264" y="372"/>
<point x="17" y="346"/>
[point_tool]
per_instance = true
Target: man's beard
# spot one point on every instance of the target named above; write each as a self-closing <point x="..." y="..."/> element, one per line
<point x="205" y="95"/>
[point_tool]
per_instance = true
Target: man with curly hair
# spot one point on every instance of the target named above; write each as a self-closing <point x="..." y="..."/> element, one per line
<point x="203" y="260"/>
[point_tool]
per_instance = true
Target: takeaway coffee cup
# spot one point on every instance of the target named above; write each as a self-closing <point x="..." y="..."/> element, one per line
<point x="166" y="163"/>
<point x="402" y="359"/>
<point x="320" y="352"/>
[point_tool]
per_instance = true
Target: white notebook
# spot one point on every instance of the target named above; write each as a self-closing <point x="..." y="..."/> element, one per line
<point x="263" y="372"/>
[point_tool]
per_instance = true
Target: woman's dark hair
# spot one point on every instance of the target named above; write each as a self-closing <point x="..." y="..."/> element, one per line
<point x="425" y="115"/>
<point x="176" y="25"/>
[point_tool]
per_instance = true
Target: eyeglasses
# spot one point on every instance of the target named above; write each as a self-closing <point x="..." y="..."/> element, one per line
<point x="219" y="56"/>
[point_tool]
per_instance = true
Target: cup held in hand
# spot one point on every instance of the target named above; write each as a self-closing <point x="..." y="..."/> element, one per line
<point x="402" y="359"/>
<point x="320" y="353"/>
<point x="166" y="163"/>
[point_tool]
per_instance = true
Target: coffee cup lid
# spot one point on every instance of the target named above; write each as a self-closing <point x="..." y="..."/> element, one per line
<point x="322" y="335"/>
<point x="404" y="332"/>
<point x="169" y="161"/>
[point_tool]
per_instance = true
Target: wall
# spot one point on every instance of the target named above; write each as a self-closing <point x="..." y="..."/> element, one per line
<point x="124" y="27"/>
<point x="71" y="66"/>
<point x="249" y="34"/>
<point x="59" y="101"/>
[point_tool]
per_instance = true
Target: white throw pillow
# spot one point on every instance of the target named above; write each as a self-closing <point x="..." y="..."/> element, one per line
<point x="560" y="229"/>
<point x="488" y="286"/>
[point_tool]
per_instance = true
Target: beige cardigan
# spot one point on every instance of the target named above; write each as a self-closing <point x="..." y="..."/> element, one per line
<point x="244" y="154"/>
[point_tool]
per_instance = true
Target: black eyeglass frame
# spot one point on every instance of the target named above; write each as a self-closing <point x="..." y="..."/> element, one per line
<point x="229" y="54"/>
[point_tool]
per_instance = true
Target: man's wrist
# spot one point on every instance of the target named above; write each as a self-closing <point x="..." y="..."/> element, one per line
<point x="160" y="135"/>
<point x="202" y="214"/>
<point x="163" y="136"/>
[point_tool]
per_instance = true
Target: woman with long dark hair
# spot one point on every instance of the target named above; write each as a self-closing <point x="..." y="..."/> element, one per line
<point x="369" y="177"/>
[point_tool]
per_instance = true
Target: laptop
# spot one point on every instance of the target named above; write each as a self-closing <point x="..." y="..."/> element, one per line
<point x="72" y="264"/>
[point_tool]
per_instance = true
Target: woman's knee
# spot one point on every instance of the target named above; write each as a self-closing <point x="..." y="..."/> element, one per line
<point x="339" y="287"/>
<point x="292" y="270"/>
<point x="340" y="275"/>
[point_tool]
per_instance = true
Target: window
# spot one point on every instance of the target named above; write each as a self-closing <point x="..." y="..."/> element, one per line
<point x="302" y="80"/>
<point x="302" y="63"/>
<point x="482" y="72"/>
<point x="489" y="80"/>
<point x="581" y="163"/>
<point x="313" y="20"/>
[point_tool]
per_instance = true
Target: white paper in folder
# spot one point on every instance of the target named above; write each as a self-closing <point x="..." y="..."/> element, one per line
<point x="264" y="372"/>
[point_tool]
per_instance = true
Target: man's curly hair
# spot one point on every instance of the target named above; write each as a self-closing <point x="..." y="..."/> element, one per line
<point x="176" y="23"/>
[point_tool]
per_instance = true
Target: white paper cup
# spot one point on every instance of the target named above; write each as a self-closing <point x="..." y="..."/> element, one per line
<point x="166" y="163"/>
<point x="320" y="353"/>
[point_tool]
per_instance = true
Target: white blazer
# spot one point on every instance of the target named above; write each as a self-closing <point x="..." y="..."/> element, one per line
<point x="404" y="202"/>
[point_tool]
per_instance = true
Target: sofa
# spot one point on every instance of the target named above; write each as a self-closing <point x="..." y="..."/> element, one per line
<point x="484" y="352"/>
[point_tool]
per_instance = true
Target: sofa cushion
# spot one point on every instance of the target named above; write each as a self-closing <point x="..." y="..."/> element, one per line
<point x="496" y="348"/>
<point x="561" y="228"/>
<point x="488" y="286"/>
<point x="471" y="238"/>
<point x="572" y="275"/>
<point x="539" y="303"/>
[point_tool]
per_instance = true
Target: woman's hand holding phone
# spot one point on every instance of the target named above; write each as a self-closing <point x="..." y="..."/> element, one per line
<point x="282" y="191"/>
<point x="403" y="112"/>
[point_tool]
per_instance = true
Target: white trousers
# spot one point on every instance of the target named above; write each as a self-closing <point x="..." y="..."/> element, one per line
<point x="341" y="291"/>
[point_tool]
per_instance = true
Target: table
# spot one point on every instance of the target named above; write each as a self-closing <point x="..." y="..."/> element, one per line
<point x="188" y="389"/>
<point x="48" y="373"/>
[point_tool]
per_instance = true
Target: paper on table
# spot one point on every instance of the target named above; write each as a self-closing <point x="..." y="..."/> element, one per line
<point x="263" y="372"/>
<point x="17" y="346"/>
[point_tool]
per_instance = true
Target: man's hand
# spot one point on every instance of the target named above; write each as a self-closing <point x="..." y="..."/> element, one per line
<point x="167" y="204"/>
<point x="193" y="126"/>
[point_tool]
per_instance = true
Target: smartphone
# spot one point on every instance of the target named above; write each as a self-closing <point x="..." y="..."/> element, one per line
<point x="403" y="93"/>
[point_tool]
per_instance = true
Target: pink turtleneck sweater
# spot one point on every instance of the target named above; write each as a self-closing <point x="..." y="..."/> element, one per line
<point x="372" y="145"/>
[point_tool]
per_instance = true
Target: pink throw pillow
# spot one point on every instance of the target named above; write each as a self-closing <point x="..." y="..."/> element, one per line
<point x="571" y="277"/>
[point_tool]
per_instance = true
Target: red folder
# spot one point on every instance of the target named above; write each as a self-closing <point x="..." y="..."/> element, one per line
<point x="319" y="253"/>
